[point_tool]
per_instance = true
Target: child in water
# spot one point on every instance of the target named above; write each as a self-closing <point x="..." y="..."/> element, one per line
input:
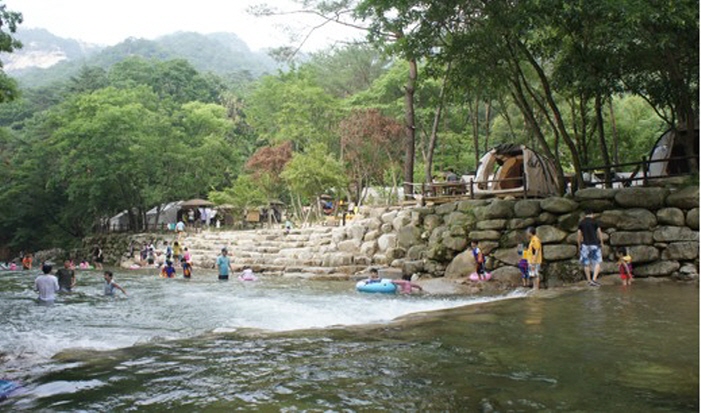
<point x="479" y="259"/>
<point x="247" y="275"/>
<point x="168" y="271"/>
<point x="523" y="264"/>
<point x="374" y="276"/>
<point x="187" y="268"/>
<point x="625" y="266"/>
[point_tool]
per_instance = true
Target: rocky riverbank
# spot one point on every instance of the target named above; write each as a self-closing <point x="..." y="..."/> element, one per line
<point x="658" y="226"/>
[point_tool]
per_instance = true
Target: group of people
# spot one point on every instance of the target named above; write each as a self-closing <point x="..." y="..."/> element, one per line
<point x="404" y="286"/>
<point x="64" y="281"/>
<point x="589" y="244"/>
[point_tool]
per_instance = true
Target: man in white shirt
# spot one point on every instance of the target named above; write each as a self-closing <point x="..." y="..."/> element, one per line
<point x="47" y="285"/>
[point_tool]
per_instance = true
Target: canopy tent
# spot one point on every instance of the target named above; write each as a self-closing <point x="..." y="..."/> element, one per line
<point x="665" y="155"/>
<point x="515" y="169"/>
<point x="196" y="203"/>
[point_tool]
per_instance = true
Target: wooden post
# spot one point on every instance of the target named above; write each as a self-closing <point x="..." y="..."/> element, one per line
<point x="472" y="188"/>
<point x="645" y="171"/>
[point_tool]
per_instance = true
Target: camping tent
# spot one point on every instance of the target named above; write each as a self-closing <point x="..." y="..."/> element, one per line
<point x="169" y="214"/>
<point x="119" y="222"/>
<point x="515" y="169"/>
<point x="664" y="156"/>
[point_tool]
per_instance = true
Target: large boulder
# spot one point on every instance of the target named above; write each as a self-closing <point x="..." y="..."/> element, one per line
<point x="637" y="197"/>
<point x="507" y="275"/>
<point x="596" y="205"/>
<point x="408" y="236"/>
<point x="672" y="234"/>
<point x="401" y="221"/>
<point x="513" y="238"/>
<point x="388" y="217"/>
<point x="498" y="209"/>
<point x="671" y="216"/>
<point x="637" y="219"/>
<point x="485" y="235"/>
<point x="338" y="259"/>
<point x="374" y="224"/>
<point x="622" y="238"/>
<point x="412" y="267"/>
<point x="520" y="223"/>
<point x="496" y="224"/>
<point x="686" y="198"/>
<point x="351" y="245"/>
<point x="549" y="234"/>
<point x="417" y="252"/>
<point x="488" y="246"/>
<point x="546" y="218"/>
<point x="594" y="193"/>
<point x="455" y="219"/>
<point x="527" y="208"/>
<point x="643" y="253"/>
<point x="570" y="222"/>
<point x="445" y="209"/>
<point x="455" y="243"/>
<point x="656" y="269"/>
<point x="357" y="231"/>
<point x="692" y="219"/>
<point x="461" y="266"/>
<point x="507" y="256"/>
<point x="683" y="251"/>
<point x="368" y="248"/>
<point x="559" y="252"/>
<point x="386" y="241"/>
<point x="432" y="222"/>
<point x="558" y="205"/>
<point x="371" y="235"/>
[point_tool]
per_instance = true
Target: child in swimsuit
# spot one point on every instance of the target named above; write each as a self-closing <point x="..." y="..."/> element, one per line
<point x="625" y="266"/>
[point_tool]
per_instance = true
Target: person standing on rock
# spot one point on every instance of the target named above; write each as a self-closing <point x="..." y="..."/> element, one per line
<point x="224" y="265"/>
<point x="590" y="244"/>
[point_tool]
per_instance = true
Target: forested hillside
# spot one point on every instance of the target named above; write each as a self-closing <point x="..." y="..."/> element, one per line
<point x="221" y="53"/>
<point x="583" y="84"/>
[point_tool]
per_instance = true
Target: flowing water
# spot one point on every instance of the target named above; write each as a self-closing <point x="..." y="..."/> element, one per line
<point x="291" y="345"/>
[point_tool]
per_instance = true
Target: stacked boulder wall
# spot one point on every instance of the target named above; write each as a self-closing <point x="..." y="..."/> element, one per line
<point x="658" y="226"/>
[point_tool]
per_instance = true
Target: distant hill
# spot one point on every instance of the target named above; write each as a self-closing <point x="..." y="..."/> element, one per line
<point x="46" y="58"/>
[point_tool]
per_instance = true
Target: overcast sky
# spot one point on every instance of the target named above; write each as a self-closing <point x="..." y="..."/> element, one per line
<point x="109" y="22"/>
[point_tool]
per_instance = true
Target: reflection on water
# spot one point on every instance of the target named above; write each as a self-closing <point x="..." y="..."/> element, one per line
<point x="206" y="346"/>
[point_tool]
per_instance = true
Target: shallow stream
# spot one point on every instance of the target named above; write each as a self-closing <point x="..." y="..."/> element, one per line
<point x="293" y="345"/>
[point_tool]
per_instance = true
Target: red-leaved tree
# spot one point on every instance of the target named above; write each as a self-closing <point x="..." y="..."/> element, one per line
<point x="371" y="144"/>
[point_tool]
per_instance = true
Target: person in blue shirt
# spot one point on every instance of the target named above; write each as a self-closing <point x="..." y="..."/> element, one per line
<point x="224" y="265"/>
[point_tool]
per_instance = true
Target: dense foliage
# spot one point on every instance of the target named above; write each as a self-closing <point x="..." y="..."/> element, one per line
<point x="586" y="83"/>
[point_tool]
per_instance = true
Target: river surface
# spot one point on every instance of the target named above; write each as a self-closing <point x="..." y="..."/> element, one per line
<point x="293" y="345"/>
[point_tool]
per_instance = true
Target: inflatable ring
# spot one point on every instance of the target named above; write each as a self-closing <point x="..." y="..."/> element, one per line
<point x="384" y="286"/>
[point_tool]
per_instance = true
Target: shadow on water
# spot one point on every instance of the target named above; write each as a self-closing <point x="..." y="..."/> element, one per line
<point x="588" y="350"/>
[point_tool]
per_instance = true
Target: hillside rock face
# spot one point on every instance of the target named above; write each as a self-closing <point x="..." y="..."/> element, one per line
<point x="433" y="241"/>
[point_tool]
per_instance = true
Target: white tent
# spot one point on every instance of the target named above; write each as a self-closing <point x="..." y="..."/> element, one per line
<point x="119" y="222"/>
<point x="664" y="157"/>
<point x="515" y="169"/>
<point x="169" y="214"/>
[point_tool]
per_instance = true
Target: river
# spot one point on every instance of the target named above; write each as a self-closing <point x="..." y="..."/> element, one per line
<point x="293" y="345"/>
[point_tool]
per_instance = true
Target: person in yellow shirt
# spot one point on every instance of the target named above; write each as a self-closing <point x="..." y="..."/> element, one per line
<point x="535" y="257"/>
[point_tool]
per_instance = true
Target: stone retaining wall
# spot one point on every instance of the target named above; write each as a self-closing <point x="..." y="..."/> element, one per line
<point x="659" y="227"/>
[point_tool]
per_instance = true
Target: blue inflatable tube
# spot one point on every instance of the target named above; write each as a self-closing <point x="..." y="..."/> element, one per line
<point x="7" y="387"/>
<point x="384" y="286"/>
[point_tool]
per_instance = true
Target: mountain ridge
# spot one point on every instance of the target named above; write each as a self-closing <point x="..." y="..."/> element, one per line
<point x="46" y="58"/>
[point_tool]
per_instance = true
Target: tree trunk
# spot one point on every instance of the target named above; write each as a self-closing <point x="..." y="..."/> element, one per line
<point x="487" y="129"/>
<point x="614" y="130"/>
<point x="556" y="113"/>
<point x="475" y="118"/>
<point x="583" y="118"/>
<point x="434" y="129"/>
<point x="410" y="128"/>
<point x="598" y="105"/>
